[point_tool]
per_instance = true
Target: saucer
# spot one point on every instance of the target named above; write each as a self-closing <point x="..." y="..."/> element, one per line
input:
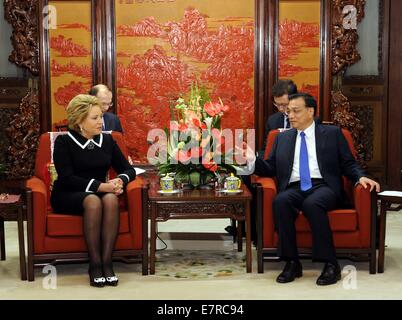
<point x="231" y="191"/>
<point x="168" y="191"/>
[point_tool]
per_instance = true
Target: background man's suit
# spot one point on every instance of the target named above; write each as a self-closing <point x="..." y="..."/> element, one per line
<point x="111" y="122"/>
<point x="273" y="122"/>
<point x="334" y="160"/>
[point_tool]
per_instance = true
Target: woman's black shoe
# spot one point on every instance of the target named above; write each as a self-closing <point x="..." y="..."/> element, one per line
<point x="95" y="281"/>
<point x="111" y="278"/>
<point x="112" y="281"/>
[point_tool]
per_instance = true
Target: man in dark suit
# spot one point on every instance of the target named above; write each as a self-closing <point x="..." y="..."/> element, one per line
<point x="280" y="92"/>
<point x="110" y="121"/>
<point x="308" y="162"/>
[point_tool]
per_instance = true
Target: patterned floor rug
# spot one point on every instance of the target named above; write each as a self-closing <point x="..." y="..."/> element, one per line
<point x="199" y="264"/>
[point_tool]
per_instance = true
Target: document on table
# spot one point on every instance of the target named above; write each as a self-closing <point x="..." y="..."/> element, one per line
<point x="391" y="193"/>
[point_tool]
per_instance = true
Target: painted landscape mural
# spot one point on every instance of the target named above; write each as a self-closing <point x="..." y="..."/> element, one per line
<point x="299" y="44"/>
<point x="70" y="55"/>
<point x="162" y="47"/>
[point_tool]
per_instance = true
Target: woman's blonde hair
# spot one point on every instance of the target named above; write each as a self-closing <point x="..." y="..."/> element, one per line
<point x="78" y="109"/>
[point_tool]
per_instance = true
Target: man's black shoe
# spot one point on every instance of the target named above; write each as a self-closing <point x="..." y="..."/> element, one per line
<point x="330" y="274"/>
<point x="232" y="231"/>
<point x="293" y="269"/>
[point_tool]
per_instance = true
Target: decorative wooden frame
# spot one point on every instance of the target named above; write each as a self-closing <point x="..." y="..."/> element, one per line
<point x="22" y="15"/>
<point x="394" y="156"/>
<point x="262" y="54"/>
<point x="382" y="48"/>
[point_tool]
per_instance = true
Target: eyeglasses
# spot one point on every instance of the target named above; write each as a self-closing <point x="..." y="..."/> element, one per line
<point x="280" y="106"/>
<point x="108" y="104"/>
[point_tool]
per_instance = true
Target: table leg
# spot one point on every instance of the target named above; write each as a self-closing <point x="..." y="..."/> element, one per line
<point x="233" y="223"/>
<point x="21" y="241"/>
<point x="2" y="240"/>
<point x="381" y="246"/>
<point x="153" y="240"/>
<point x="248" y="238"/>
<point x="239" y="236"/>
<point x="31" y="274"/>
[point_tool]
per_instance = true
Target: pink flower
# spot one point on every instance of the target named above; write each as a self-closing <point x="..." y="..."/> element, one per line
<point x="225" y="108"/>
<point x="197" y="123"/>
<point x="183" y="127"/>
<point x="212" y="109"/>
<point x="211" y="166"/>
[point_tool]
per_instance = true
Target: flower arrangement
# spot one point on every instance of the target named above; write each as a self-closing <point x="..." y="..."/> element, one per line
<point x="195" y="144"/>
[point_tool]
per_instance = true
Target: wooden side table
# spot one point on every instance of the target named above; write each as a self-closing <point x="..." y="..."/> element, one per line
<point x="386" y="202"/>
<point x="16" y="211"/>
<point x="199" y="204"/>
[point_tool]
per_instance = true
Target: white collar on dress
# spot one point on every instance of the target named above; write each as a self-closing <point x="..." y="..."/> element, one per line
<point x="83" y="146"/>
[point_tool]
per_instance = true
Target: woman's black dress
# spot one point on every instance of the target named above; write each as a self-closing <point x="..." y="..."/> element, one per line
<point x="81" y="166"/>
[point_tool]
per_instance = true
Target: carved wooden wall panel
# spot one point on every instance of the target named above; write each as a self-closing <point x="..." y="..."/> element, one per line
<point x="23" y="16"/>
<point x="344" y="53"/>
<point x="344" y="41"/>
<point x="368" y="95"/>
<point x="12" y="90"/>
<point x="22" y="116"/>
<point x="23" y="134"/>
<point x="343" y="116"/>
<point x="365" y="113"/>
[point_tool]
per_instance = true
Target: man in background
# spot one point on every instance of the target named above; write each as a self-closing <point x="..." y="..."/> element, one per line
<point x="110" y="121"/>
<point x="280" y="92"/>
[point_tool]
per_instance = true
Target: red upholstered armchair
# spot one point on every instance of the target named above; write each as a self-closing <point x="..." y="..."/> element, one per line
<point x="353" y="229"/>
<point x="58" y="237"/>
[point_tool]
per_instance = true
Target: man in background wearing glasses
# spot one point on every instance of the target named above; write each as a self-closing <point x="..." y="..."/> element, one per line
<point x="110" y="121"/>
<point x="279" y="120"/>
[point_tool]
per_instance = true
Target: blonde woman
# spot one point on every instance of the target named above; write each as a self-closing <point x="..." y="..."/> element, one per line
<point x="82" y="159"/>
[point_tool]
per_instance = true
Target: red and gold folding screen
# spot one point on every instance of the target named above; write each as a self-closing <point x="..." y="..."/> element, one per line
<point x="299" y="44"/>
<point x="70" y="55"/>
<point x="164" y="46"/>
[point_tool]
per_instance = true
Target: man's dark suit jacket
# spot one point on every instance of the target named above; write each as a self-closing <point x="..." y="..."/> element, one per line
<point x="333" y="156"/>
<point x="111" y="122"/>
<point x="273" y="122"/>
